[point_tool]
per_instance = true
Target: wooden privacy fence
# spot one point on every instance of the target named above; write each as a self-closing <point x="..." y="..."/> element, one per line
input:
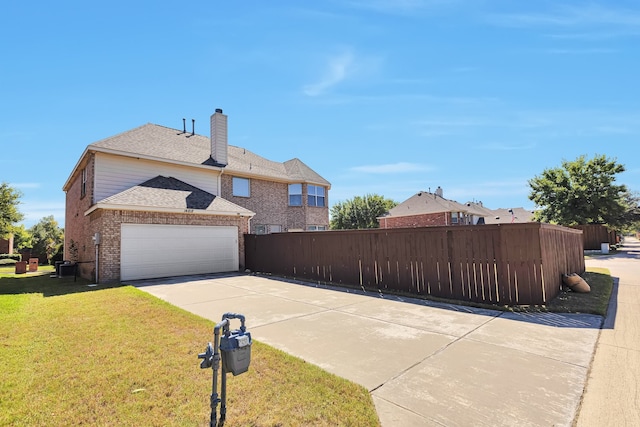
<point x="506" y="264"/>
<point x="594" y="235"/>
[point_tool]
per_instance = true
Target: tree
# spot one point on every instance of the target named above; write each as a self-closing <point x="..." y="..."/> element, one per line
<point x="630" y="219"/>
<point x="581" y="192"/>
<point x="47" y="237"/>
<point x="21" y="238"/>
<point x="9" y="213"/>
<point x="359" y="212"/>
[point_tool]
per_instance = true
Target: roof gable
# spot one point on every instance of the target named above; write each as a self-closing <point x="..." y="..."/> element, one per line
<point x="426" y="203"/>
<point x="171" y="193"/>
<point x="172" y="145"/>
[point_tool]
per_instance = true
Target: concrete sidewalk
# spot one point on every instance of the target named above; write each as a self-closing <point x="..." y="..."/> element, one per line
<point x="612" y="395"/>
<point x="424" y="363"/>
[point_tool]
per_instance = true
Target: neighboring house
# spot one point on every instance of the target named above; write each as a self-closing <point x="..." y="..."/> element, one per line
<point x="509" y="216"/>
<point x="157" y="202"/>
<point x="6" y="245"/>
<point x="426" y="209"/>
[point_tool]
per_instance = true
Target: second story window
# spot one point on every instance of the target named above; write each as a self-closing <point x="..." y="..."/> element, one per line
<point x="83" y="185"/>
<point x="295" y="194"/>
<point x="315" y="195"/>
<point x="240" y="187"/>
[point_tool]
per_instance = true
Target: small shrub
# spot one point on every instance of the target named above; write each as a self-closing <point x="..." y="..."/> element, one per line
<point x="57" y="257"/>
<point x="13" y="257"/>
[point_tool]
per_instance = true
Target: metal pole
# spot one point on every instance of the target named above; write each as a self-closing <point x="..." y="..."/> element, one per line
<point x="216" y="364"/>
<point x="212" y="357"/>
<point x="97" y="264"/>
<point x="223" y="395"/>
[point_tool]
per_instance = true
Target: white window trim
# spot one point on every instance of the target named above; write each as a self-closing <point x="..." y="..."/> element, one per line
<point x="316" y="196"/>
<point x="295" y="194"/>
<point x="83" y="186"/>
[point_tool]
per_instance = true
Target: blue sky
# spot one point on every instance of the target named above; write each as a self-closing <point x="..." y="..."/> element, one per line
<point x="385" y="97"/>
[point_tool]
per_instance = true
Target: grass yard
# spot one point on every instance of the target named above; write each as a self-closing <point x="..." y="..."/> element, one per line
<point x="112" y="356"/>
<point x="594" y="302"/>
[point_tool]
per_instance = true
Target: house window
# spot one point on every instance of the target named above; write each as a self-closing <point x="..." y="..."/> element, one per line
<point x="275" y="229"/>
<point x="315" y="195"/>
<point x="295" y="194"/>
<point x="240" y="187"/>
<point x="83" y="186"/>
<point x="261" y="229"/>
<point x="317" y="227"/>
<point x="454" y="217"/>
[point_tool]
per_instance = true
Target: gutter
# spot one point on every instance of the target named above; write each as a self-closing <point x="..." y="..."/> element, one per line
<point x="113" y="206"/>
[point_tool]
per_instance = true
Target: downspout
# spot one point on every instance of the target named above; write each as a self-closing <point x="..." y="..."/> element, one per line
<point x="220" y="182"/>
<point x="97" y="263"/>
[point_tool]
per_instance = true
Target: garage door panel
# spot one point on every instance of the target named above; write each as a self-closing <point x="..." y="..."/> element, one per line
<point x="149" y="250"/>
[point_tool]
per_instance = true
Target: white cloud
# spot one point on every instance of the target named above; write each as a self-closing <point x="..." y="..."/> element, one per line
<point x="338" y="69"/>
<point x="21" y="185"/>
<point x="571" y="16"/>
<point x="580" y="51"/>
<point x="35" y="211"/>
<point x="489" y="190"/>
<point x="507" y="147"/>
<point x="594" y="35"/>
<point x="399" y="6"/>
<point x="391" y="168"/>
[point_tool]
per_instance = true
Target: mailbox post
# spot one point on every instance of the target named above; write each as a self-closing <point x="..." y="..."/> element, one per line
<point x="234" y="349"/>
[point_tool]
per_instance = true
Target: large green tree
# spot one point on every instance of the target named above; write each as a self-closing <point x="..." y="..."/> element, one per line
<point x="21" y="238"/>
<point x="359" y="212"/>
<point x="9" y="213"/>
<point x="582" y="191"/>
<point x="47" y="237"/>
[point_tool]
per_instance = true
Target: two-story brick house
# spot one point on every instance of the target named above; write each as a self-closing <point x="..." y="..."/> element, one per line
<point x="157" y="202"/>
<point x="426" y="209"/>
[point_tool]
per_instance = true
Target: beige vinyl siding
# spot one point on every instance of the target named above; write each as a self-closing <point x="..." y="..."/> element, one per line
<point x="114" y="174"/>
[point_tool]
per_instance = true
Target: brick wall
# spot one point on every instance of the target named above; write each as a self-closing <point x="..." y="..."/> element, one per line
<point x="424" y="220"/>
<point x="77" y="227"/>
<point x="6" y="245"/>
<point x="108" y="222"/>
<point x="270" y="201"/>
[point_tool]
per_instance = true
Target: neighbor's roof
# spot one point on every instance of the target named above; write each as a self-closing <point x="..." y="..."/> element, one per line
<point x="172" y="145"/>
<point x="428" y="203"/>
<point x="503" y="216"/>
<point x="171" y="194"/>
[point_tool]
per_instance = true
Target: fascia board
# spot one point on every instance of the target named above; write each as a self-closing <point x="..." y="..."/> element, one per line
<point x="110" y="206"/>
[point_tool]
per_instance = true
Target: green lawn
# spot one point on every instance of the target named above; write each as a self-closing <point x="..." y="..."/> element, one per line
<point x="72" y="354"/>
<point x="112" y="356"/>
<point x="594" y="302"/>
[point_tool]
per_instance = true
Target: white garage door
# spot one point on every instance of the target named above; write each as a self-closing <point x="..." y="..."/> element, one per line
<point x="149" y="251"/>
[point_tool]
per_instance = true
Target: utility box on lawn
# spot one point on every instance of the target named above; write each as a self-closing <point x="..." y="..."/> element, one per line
<point x="236" y="351"/>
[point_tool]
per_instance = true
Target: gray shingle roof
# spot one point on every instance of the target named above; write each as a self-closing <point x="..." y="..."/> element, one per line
<point x="171" y="193"/>
<point x="173" y="145"/>
<point x="427" y="203"/>
<point x="503" y="216"/>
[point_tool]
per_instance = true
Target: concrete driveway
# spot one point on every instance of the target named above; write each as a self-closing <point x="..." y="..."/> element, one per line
<point x="425" y="363"/>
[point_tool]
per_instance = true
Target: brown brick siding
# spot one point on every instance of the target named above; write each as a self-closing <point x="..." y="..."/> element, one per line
<point x="270" y="201"/>
<point x="6" y="245"/>
<point x="109" y="224"/>
<point x="424" y="220"/>
<point x="77" y="225"/>
<point x="81" y="228"/>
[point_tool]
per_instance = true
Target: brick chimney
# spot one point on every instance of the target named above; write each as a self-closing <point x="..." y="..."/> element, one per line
<point x="219" y="142"/>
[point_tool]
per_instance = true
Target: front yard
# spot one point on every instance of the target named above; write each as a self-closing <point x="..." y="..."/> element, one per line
<point x="73" y="354"/>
